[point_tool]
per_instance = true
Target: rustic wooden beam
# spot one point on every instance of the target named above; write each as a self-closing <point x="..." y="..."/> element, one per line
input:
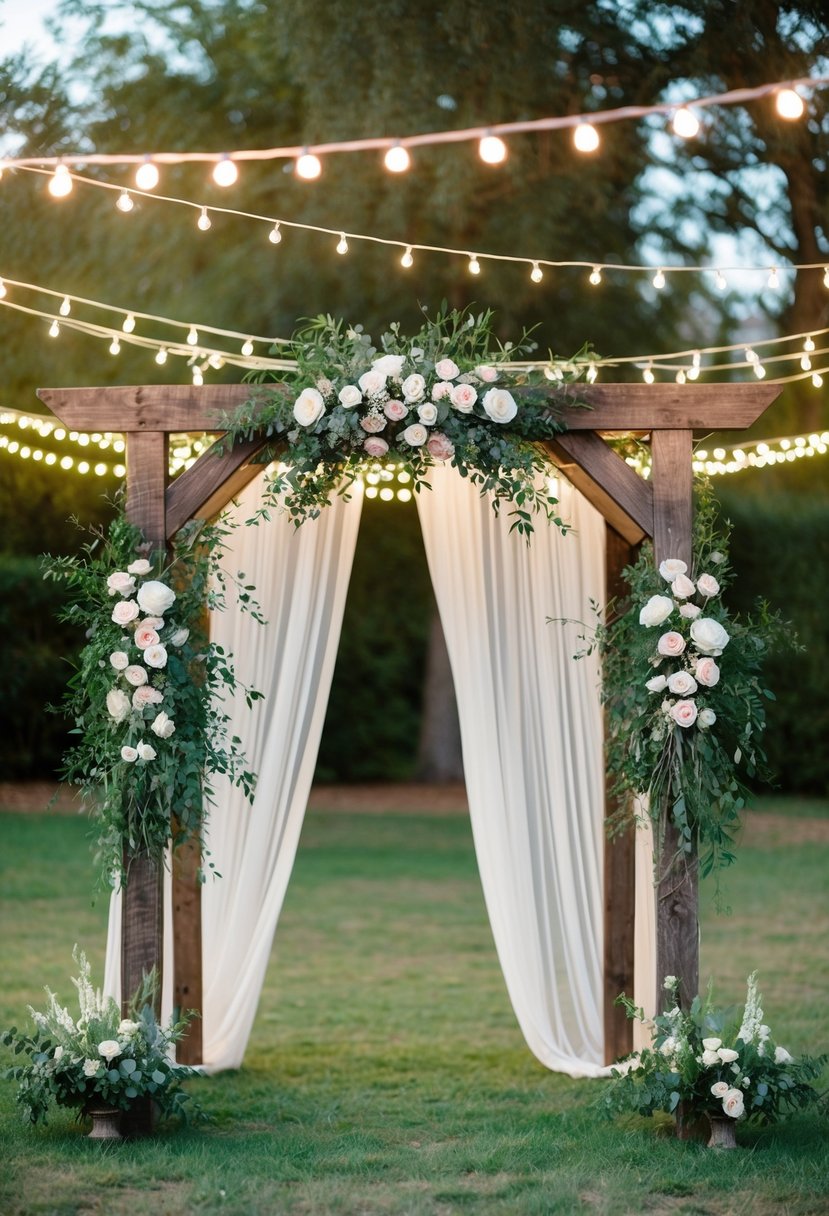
<point x="623" y="497"/>
<point x="218" y="475"/>
<point x="188" y="972"/>
<point x="619" y="854"/>
<point x="677" y="897"/>
<point x="613" y="407"/>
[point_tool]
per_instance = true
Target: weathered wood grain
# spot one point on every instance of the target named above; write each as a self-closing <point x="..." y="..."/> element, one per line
<point x="188" y="977"/>
<point x="623" y="497"/>
<point x="204" y="489"/>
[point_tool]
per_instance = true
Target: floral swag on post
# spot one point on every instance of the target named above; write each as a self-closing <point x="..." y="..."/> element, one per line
<point x="443" y="395"/>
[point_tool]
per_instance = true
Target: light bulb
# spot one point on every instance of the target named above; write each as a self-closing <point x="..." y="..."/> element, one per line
<point x="591" y="374"/>
<point x="225" y="172"/>
<point x="115" y="347"/>
<point x="826" y="276"/>
<point x="146" y="176"/>
<point x="342" y="244"/>
<point x="198" y="378"/>
<point x="492" y="150"/>
<point x="789" y="104"/>
<point x="203" y="221"/>
<point x="759" y="370"/>
<point x="129" y="323"/>
<point x="536" y="274"/>
<point x="474" y="264"/>
<point x="805" y="363"/>
<point x="124" y="201"/>
<point x="308" y="166"/>
<point x="693" y="372"/>
<point x="647" y="375"/>
<point x="161" y="356"/>
<point x="397" y="159"/>
<point x="216" y="361"/>
<point x="60" y="183"/>
<point x="659" y="279"/>
<point x="65" y="307"/>
<point x="54" y="330"/>
<point x="192" y="336"/>
<point x="595" y="276"/>
<point x="685" y="123"/>
<point x="407" y="260"/>
<point x="680" y="377"/>
<point x="275" y="236"/>
<point x="750" y="355"/>
<point x="817" y="380"/>
<point x="720" y="281"/>
<point x="3" y="291"/>
<point x="773" y="280"/>
<point x="809" y="344"/>
<point x="585" y="137"/>
<point x="247" y="347"/>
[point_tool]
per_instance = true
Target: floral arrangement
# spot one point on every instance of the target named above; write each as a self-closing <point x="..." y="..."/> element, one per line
<point x="442" y="395"/>
<point x="98" y="1058"/>
<point x="682" y="684"/>
<point x="146" y="695"/>
<point x="717" y="1062"/>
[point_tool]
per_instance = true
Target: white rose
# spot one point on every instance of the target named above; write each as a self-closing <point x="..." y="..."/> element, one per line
<point x="136" y="675"/>
<point x="141" y="567"/>
<point x="372" y="382"/>
<point x="656" y="684"/>
<point x="709" y="1059"/>
<point x="146" y="752"/>
<point x="119" y="660"/>
<point x="179" y="637"/>
<point x="427" y="413"/>
<point x="706" y="718"/>
<point x="414" y="387"/>
<point x="463" y="397"/>
<point x="781" y="1056"/>
<point x="446" y="369"/>
<point x="124" y="612"/>
<point x="728" y="1055"/>
<point x="670" y="981"/>
<point x="146" y="695"/>
<point x="156" y="656"/>
<point x="733" y="1103"/>
<point x="155" y="598"/>
<point x="163" y="726"/>
<point x="415" y="435"/>
<point x="682" y="684"/>
<point x="671" y="567"/>
<point x="118" y="704"/>
<point x="711" y="1044"/>
<point x="120" y="583"/>
<point x="485" y="373"/>
<point x="689" y="611"/>
<point x="441" y="389"/>
<point x="708" y="635"/>
<point x="109" y="1049"/>
<point x="308" y="407"/>
<point x="127" y="1027"/>
<point x="707" y="672"/>
<point x="389" y="365"/>
<point x="350" y="396"/>
<point x="720" y="1088"/>
<point x="129" y="754"/>
<point x="499" y="405"/>
<point x="58" y="1053"/>
<point x="657" y="610"/>
<point x="682" y="587"/>
<point x="707" y="585"/>
<point x="90" y="1067"/>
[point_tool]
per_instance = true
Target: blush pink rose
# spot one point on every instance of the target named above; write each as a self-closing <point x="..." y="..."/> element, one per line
<point x="119" y="660"/>
<point x="416" y="434"/>
<point x="372" y="423"/>
<point x="463" y="397"/>
<point x="707" y="672"/>
<point x="375" y="446"/>
<point x="156" y="656"/>
<point x="487" y="374"/>
<point x="146" y="695"/>
<point x="447" y="369"/>
<point x="682" y="587"/>
<point x="153" y="622"/>
<point x="707" y="585"/>
<point x="124" y="612"/>
<point x="395" y="410"/>
<point x="120" y="583"/>
<point x="441" y="389"/>
<point x="145" y="636"/>
<point x="682" y="684"/>
<point x="684" y="713"/>
<point x="671" y="644"/>
<point x="440" y="446"/>
<point x="135" y="675"/>
<point x="427" y="413"/>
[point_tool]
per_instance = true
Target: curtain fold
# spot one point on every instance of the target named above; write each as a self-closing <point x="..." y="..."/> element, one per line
<point x="531" y="729"/>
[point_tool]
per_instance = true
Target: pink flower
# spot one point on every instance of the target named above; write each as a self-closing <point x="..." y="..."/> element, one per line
<point x="441" y="389"/>
<point x="671" y="644"/>
<point x="416" y="435"/>
<point x="395" y="410"/>
<point x="487" y="374"/>
<point x="119" y="660"/>
<point x="372" y="381"/>
<point x="372" y="423"/>
<point x="375" y="446"/>
<point x="682" y="684"/>
<point x="145" y="695"/>
<point x="141" y="567"/>
<point x="156" y="656"/>
<point x="463" y="397"/>
<point x="656" y="684"/>
<point x="707" y="585"/>
<point x="447" y="369"/>
<point x="135" y="675"/>
<point x="684" y="713"/>
<point x="124" y="612"/>
<point x="682" y="587"/>
<point x="427" y="413"/>
<point x="689" y="611"/>
<point x="440" y="446"/>
<point x="707" y="672"/>
<point x="120" y="583"/>
<point x="145" y="636"/>
<point x="129" y="754"/>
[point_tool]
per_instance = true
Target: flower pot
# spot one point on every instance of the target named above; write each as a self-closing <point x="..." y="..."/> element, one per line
<point x="723" y="1131"/>
<point x="106" y="1123"/>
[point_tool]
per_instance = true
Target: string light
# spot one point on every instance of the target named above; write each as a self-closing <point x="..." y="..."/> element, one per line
<point x="492" y="150"/>
<point x="192" y="336"/>
<point x="647" y="375"/>
<point x="397" y="159"/>
<point x="407" y="259"/>
<point x="474" y="264"/>
<point x="773" y="280"/>
<point x="129" y="323"/>
<point x="659" y="279"/>
<point x="342" y="244"/>
<point x="3" y="292"/>
<point x="225" y="173"/>
<point x="308" y="166"/>
<point x="805" y="362"/>
<point x="54" y="330"/>
<point x="203" y="222"/>
<point x="817" y="380"/>
<point x="720" y="281"/>
<point x="585" y="137"/>
<point x="809" y="344"/>
<point x="65" y="307"/>
<point x="759" y="370"/>
<point x="198" y="378"/>
<point x="536" y="274"/>
<point x="146" y="175"/>
<point x="247" y="347"/>
<point x="680" y="376"/>
<point x="789" y="104"/>
<point x="685" y="123"/>
<point x="595" y="276"/>
<point x="115" y="347"/>
<point x="275" y="236"/>
<point x="60" y="183"/>
<point x="161" y="356"/>
<point x="124" y="201"/>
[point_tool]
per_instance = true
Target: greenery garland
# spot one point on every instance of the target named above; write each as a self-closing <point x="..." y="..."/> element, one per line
<point x="146" y="695"/>
<point x="443" y="395"/>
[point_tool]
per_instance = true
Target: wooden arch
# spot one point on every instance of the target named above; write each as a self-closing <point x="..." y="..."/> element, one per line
<point x="660" y="508"/>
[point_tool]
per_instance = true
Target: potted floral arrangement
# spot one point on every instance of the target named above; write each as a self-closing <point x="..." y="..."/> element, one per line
<point x="720" y="1064"/>
<point x="99" y="1062"/>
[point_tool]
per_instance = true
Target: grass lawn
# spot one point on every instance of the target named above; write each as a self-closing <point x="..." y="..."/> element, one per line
<point x="386" y="1073"/>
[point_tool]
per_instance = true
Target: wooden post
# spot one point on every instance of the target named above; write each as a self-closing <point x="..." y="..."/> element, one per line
<point x="187" y="948"/>
<point x="619" y="856"/>
<point x="677" y="899"/>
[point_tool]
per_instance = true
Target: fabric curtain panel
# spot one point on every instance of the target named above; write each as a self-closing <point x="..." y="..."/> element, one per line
<point x="301" y="578"/>
<point x="531" y="729"/>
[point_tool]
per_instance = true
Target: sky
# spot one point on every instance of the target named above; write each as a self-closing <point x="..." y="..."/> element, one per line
<point x="21" y="21"/>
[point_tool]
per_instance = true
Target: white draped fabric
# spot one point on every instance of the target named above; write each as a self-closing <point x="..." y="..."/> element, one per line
<point x="531" y="728"/>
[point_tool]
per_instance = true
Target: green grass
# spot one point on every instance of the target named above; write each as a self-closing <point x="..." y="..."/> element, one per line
<point x="386" y="1073"/>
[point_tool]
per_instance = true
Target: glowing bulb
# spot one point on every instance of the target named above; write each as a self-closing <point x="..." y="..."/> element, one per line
<point x="65" y="307"/>
<point x="680" y="377"/>
<point x="474" y="264"/>
<point x="129" y="323"/>
<point x="124" y="201"/>
<point x="826" y="276"/>
<point x="720" y="281"/>
<point x="192" y="336"/>
<point x="591" y="374"/>
<point x="773" y="280"/>
<point x="492" y="150"/>
<point x="203" y="221"/>
<point x="54" y="330"/>
<point x="536" y="274"/>
<point x="100" y="469"/>
<point x="275" y="236"/>
<point x="198" y="378"/>
<point x="647" y="375"/>
<point x="595" y="276"/>
<point x="685" y="123"/>
<point x="342" y="244"/>
<point x="817" y="380"/>
<point x="60" y="183"/>
<point x="805" y="363"/>
<point x="693" y="373"/>
<point x="397" y="159"/>
<point x="407" y="260"/>
<point x="225" y="172"/>
<point x="789" y="104"/>
<point x="759" y="370"/>
<point x="809" y="344"/>
<point x="247" y="347"/>
<point x="50" y="458"/>
<point x="83" y="466"/>
<point x="161" y="356"/>
<point x="115" y="347"/>
<point x="585" y="137"/>
<point x="659" y="279"/>
<point x="146" y="176"/>
<point x="750" y="355"/>
<point x="2" y="289"/>
<point x="308" y="166"/>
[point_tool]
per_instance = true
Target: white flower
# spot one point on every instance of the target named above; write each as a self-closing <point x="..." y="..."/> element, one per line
<point x="179" y="637"/>
<point x="669" y="983"/>
<point x="156" y="656"/>
<point x="414" y="387"/>
<point x="499" y="405"/>
<point x="146" y="752"/>
<point x="720" y="1088"/>
<point x="463" y="397"/>
<point x="707" y="672"/>
<point x="120" y="583"/>
<point x="127" y="1027"/>
<point x="708" y="635"/>
<point x="129" y="754"/>
<point x="90" y="1067"/>
<point x="446" y="369"/>
<point x="441" y="389"/>
<point x="709" y="1059"/>
<point x="118" y="704"/>
<point x="707" y="585"/>
<point x="689" y="611"/>
<point x="155" y="598"/>
<point x="671" y="567"/>
<point x="109" y="1049"/>
<point x="733" y="1103"/>
<point x="119" y="660"/>
<point x="657" y="610"/>
<point x="427" y="413"/>
<point x="781" y="1056"/>
<point x="711" y="1044"/>
<point x="706" y="718"/>
<point x="58" y="1053"/>
<point x="309" y="407"/>
<point x="682" y="587"/>
<point x="349" y="396"/>
<point x="136" y="675"/>
<point x="124" y="612"/>
<point x="669" y="1046"/>
<point x="145" y="695"/>
<point x="657" y="684"/>
<point x="415" y="435"/>
<point x="717" y="557"/>
<point x="372" y="381"/>
<point x="765" y="1031"/>
<point x="728" y="1055"/>
<point x="163" y="726"/>
<point x="141" y="566"/>
<point x="682" y="683"/>
<point x="486" y="373"/>
<point x="389" y="365"/>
